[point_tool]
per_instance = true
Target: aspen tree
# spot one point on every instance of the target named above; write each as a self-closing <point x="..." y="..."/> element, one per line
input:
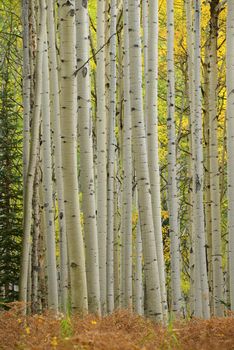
<point x="139" y="295"/>
<point x="35" y="242"/>
<point x="32" y="157"/>
<point x="190" y="53"/>
<point x="86" y="157"/>
<point x="111" y="159"/>
<point x="207" y="194"/>
<point x="127" y="171"/>
<point x="145" y="27"/>
<point x="214" y="164"/>
<point x="172" y="181"/>
<point x="141" y="164"/>
<point x="230" y="139"/>
<point x="26" y="86"/>
<point x="47" y="186"/>
<point x="55" y="111"/>
<point x="68" y="112"/>
<point x="202" y="309"/>
<point x="101" y="152"/>
<point x="152" y="141"/>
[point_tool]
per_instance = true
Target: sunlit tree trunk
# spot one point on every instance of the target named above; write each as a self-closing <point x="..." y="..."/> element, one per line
<point x="68" y="102"/>
<point x="55" y="117"/>
<point x="214" y="164"/>
<point x="86" y="157"/>
<point x="48" y="186"/>
<point x="141" y="164"/>
<point x="32" y="157"/>
<point x="230" y="139"/>
<point x="101" y="152"/>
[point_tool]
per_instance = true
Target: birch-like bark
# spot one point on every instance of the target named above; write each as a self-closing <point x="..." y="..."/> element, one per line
<point x="145" y="27"/>
<point x="55" y="111"/>
<point x="230" y="139"/>
<point x="201" y="309"/>
<point x="127" y="171"/>
<point x="190" y="53"/>
<point x="111" y="159"/>
<point x="35" y="243"/>
<point x="207" y="195"/>
<point x="139" y="295"/>
<point x="48" y="186"/>
<point x="152" y="142"/>
<point x="141" y="164"/>
<point x="26" y="87"/>
<point x="86" y="157"/>
<point x="32" y="157"/>
<point x="68" y="112"/>
<point x="172" y="180"/>
<point x="101" y="152"/>
<point x="214" y="164"/>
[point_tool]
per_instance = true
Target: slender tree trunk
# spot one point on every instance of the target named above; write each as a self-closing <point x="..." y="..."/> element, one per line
<point x="127" y="172"/>
<point x="214" y="164"/>
<point x="139" y="295"/>
<point x="48" y="187"/>
<point x="86" y="158"/>
<point x="141" y="163"/>
<point x="111" y="160"/>
<point x="190" y="53"/>
<point x="152" y="141"/>
<point x="200" y="256"/>
<point x="55" y="109"/>
<point x="230" y="139"/>
<point x="207" y="194"/>
<point x="32" y="158"/>
<point x="172" y="181"/>
<point x="68" y="102"/>
<point x="26" y="86"/>
<point x="101" y="152"/>
<point x="35" y="242"/>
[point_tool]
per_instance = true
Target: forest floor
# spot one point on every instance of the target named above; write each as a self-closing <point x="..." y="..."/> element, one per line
<point x="120" y="331"/>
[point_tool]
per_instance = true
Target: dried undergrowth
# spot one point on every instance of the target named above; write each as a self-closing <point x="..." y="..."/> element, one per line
<point x="120" y="331"/>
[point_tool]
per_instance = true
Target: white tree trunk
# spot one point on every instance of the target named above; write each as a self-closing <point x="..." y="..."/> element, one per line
<point x="86" y="157"/>
<point x="152" y="141"/>
<point x="230" y="140"/>
<point x="214" y="166"/>
<point x="55" y="109"/>
<point x="127" y="172"/>
<point x="48" y="187"/>
<point x="141" y="163"/>
<point x="101" y="152"/>
<point x="68" y="102"/>
<point x="200" y="254"/>
<point x="172" y="181"/>
<point x="32" y="158"/>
